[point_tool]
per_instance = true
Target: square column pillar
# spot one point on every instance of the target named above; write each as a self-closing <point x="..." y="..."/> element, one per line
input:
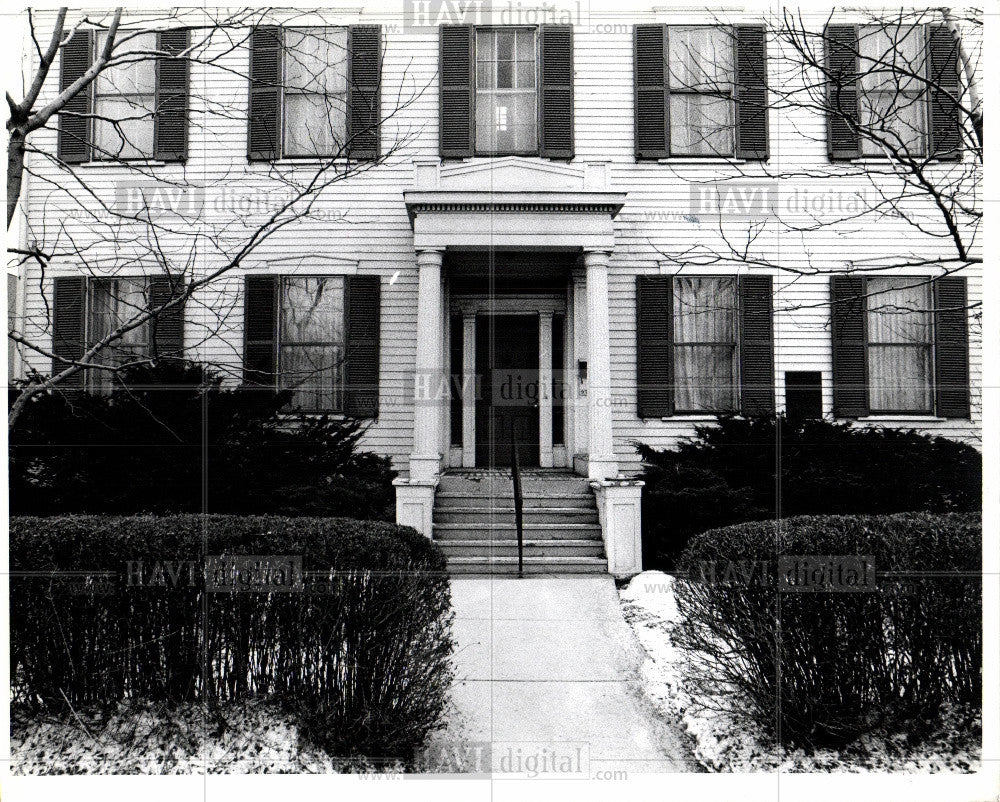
<point x="469" y="390"/>
<point x="428" y="397"/>
<point x="545" y="390"/>
<point x="601" y="457"/>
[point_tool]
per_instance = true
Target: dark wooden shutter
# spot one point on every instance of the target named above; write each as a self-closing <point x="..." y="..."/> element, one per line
<point x="171" y="121"/>
<point x="264" y="131"/>
<point x="756" y="345"/>
<point x="850" y="351"/>
<point x="74" y="117"/>
<point x="167" y="328"/>
<point x="361" y="367"/>
<point x="260" y="330"/>
<point x="364" y="97"/>
<point x="556" y="81"/>
<point x="651" y="136"/>
<point x="946" y="117"/>
<point x="842" y="92"/>
<point x="654" y="346"/>
<point x="69" y="306"/>
<point x="457" y="91"/>
<point x="951" y="347"/>
<point x="751" y="92"/>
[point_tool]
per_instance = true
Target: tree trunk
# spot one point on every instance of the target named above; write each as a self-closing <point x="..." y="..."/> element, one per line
<point x="15" y="171"/>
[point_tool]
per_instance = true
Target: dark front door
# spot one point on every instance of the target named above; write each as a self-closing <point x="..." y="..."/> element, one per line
<point x="507" y="364"/>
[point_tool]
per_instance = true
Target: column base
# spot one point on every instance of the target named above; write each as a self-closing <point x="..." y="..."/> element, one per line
<point x="601" y="468"/>
<point x="415" y="504"/>
<point x="425" y="467"/>
<point x="620" y="511"/>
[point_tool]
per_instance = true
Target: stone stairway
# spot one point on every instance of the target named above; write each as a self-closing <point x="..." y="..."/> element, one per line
<point x="474" y="523"/>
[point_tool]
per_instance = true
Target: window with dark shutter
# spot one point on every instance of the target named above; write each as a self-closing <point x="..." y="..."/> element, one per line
<point x="751" y="93"/>
<point x="457" y="91"/>
<point x="171" y="123"/>
<point x="945" y="91"/>
<point x="260" y="298"/>
<point x="951" y="347"/>
<point x="850" y="361"/>
<point x="654" y="346"/>
<point x="364" y="98"/>
<point x="264" y="132"/>
<point x="650" y="92"/>
<point x="556" y="57"/>
<point x="68" y="324"/>
<point x="74" y="117"/>
<point x="756" y="345"/>
<point x="842" y="91"/>
<point x="361" y="368"/>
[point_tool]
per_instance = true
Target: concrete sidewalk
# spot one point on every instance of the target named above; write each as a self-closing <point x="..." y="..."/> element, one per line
<point x="548" y="663"/>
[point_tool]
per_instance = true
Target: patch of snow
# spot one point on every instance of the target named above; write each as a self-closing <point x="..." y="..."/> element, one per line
<point x="723" y="742"/>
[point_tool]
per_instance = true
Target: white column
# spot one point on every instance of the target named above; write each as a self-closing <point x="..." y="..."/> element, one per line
<point x="428" y="397"/>
<point x="545" y="389"/>
<point x="469" y="390"/>
<point x="601" y="458"/>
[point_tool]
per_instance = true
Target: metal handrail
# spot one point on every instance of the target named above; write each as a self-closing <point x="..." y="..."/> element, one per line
<point x="515" y="475"/>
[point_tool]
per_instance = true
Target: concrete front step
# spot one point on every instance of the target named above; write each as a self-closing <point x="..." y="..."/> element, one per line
<point x="506" y="515"/>
<point x="535" y="501"/>
<point x="484" y="530"/>
<point x="532" y="548"/>
<point x="532" y="565"/>
<point x="500" y="485"/>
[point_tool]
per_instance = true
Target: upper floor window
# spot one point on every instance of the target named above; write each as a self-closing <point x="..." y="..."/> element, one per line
<point x="506" y="91"/>
<point x="314" y="91"/>
<point x="893" y="93"/>
<point x="125" y="99"/>
<point x="701" y="91"/>
<point x="701" y="76"/>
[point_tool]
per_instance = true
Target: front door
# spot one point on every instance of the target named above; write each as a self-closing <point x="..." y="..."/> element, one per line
<point x="507" y="367"/>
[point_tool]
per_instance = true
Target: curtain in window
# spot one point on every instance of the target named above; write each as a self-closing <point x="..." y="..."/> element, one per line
<point x="315" y="80"/>
<point x="893" y="101"/>
<point x="899" y="345"/>
<point x="114" y="302"/>
<point x="704" y="326"/>
<point x="702" y="74"/>
<point x="311" y="337"/>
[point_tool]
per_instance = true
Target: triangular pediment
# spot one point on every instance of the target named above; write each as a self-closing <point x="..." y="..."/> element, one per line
<point x="512" y="174"/>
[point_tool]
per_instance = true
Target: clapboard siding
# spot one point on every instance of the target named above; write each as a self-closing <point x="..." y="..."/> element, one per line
<point x="363" y="219"/>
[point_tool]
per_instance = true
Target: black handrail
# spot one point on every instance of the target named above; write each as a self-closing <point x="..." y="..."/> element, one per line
<point x="515" y="475"/>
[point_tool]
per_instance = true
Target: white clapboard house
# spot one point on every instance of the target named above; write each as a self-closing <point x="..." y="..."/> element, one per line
<point x="572" y="234"/>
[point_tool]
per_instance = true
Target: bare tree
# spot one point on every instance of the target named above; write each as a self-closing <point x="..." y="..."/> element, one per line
<point x="182" y="225"/>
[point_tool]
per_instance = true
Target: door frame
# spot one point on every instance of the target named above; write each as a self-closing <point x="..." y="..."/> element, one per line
<point x="542" y="306"/>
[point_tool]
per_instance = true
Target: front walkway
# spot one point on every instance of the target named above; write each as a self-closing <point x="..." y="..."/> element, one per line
<point x="548" y="666"/>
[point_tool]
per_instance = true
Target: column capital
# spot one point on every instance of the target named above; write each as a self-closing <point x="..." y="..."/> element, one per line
<point x="596" y="258"/>
<point x="429" y="257"/>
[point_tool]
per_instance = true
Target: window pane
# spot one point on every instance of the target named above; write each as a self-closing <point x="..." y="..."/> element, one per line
<point x="700" y="58"/>
<point x="507" y="120"/>
<point x="891" y="57"/>
<point x="701" y="125"/>
<point x="316" y="59"/>
<point x="897" y="119"/>
<point x="313" y="373"/>
<point x="124" y="128"/>
<point x="505" y="75"/>
<point x="900" y="378"/>
<point x="704" y="310"/>
<point x="526" y="75"/>
<point x="485" y="75"/>
<point x="705" y="377"/>
<point x="505" y="45"/>
<point x="312" y="310"/>
<point x="484" y="46"/>
<point x="899" y="311"/>
<point x="315" y="125"/>
<point x="136" y="75"/>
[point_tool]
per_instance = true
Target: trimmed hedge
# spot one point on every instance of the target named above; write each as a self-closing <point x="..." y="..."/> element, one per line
<point x="362" y="654"/>
<point x="732" y="472"/>
<point x="821" y="668"/>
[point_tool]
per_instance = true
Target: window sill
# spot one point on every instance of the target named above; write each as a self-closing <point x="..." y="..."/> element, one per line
<point x="916" y="418"/>
<point x="130" y="164"/>
<point x="694" y="417"/>
<point x="701" y="160"/>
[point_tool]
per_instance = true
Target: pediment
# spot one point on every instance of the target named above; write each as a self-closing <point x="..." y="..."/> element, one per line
<point x="512" y="174"/>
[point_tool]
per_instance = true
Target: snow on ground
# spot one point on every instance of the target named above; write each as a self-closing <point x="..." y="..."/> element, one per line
<point x="724" y="743"/>
<point x="144" y="738"/>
